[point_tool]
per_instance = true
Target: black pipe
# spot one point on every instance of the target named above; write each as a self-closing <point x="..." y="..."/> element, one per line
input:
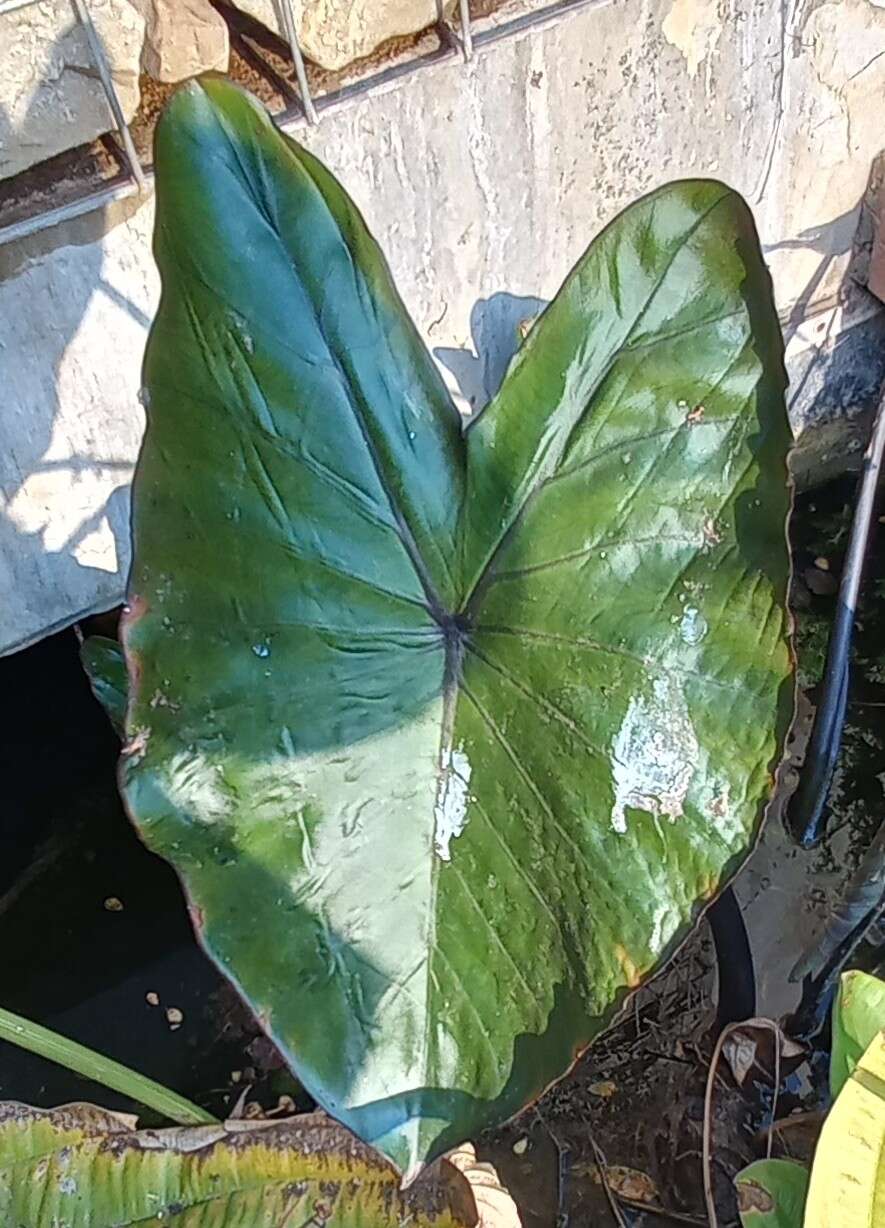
<point x="806" y="812"/>
<point x="734" y="961"/>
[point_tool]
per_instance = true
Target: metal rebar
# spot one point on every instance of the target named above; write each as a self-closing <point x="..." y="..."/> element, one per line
<point x="466" y="33"/>
<point x="298" y="61"/>
<point x="241" y="44"/>
<point x="537" y="19"/>
<point x="341" y="97"/>
<point x="110" y="91"/>
<point x="345" y="95"/>
<point x="9" y="6"/>
<point x="65" y="213"/>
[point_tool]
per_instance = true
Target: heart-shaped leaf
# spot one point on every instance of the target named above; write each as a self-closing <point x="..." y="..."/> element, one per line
<point x="448" y="733"/>
<point x="80" y="1165"/>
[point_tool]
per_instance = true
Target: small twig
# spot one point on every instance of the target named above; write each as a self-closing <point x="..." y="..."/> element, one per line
<point x="601" y="1166"/>
<point x="563" y="1165"/>
<point x="654" y="1208"/>
<point x="768" y="1025"/>
<point x="814" y="1117"/>
<point x="668" y="1057"/>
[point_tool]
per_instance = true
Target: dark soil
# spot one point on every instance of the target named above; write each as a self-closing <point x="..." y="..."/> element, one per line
<point x="91" y="922"/>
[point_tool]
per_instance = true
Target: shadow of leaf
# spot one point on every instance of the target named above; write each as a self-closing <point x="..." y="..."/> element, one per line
<point x="497" y="327"/>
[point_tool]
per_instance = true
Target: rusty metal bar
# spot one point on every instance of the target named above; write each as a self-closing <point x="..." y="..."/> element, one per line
<point x="99" y="198"/>
<point x="298" y="61"/>
<point x="110" y="91"/>
<point x="537" y="19"/>
<point x="9" y="6"/>
<point x="466" y="33"/>
<point x="64" y="213"/>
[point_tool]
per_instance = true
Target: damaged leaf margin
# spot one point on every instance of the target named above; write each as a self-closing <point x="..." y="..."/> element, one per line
<point x="82" y="1165"/>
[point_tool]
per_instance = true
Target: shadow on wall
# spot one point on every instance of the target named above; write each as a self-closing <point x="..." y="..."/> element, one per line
<point x="498" y="326"/>
<point x="64" y="514"/>
<point x="842" y="367"/>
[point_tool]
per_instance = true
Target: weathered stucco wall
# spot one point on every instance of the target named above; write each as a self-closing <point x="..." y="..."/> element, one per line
<point x="484" y="183"/>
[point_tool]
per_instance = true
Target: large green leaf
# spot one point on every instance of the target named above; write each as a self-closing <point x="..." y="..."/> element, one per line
<point x="83" y="1167"/>
<point x="448" y="733"/>
<point x="858" y="1017"/>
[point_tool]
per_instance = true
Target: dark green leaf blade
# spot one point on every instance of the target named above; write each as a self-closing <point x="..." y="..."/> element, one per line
<point x="247" y="220"/>
<point x="433" y="817"/>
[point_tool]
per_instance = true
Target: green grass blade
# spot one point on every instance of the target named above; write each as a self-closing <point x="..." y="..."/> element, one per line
<point x="92" y="1065"/>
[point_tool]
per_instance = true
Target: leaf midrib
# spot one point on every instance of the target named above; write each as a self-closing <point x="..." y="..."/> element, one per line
<point x="454" y="638"/>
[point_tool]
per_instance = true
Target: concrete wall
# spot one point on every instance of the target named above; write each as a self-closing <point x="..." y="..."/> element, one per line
<point x="484" y="183"/>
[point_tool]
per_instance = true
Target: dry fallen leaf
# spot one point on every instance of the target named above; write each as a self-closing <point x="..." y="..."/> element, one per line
<point x="494" y="1204"/>
<point x="627" y="1182"/>
<point x="740" y="1053"/>
<point x="752" y="1197"/>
